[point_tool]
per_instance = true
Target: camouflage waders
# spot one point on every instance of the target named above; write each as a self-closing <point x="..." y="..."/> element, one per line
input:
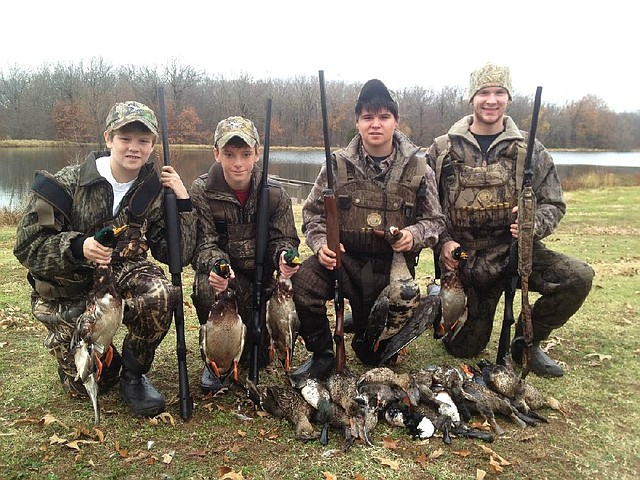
<point x="149" y="300"/>
<point x="563" y="283"/>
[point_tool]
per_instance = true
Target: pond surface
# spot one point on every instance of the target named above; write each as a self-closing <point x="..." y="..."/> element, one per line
<point x="19" y="165"/>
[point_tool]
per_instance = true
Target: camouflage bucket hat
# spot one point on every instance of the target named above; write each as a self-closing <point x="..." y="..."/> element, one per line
<point x="236" y="127"/>
<point x="127" y="112"/>
<point x="490" y="76"/>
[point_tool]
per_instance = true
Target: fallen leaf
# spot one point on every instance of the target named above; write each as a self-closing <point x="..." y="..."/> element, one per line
<point x="393" y="464"/>
<point x="435" y="454"/>
<point x="601" y="356"/>
<point x="494" y="466"/>
<point x="422" y="459"/>
<point x="48" y="419"/>
<point x="242" y="433"/>
<point x="232" y="476"/>
<point x="480" y="474"/>
<point x="461" y="453"/>
<point x="491" y="453"/>
<point x="56" y="440"/>
<point x="262" y="413"/>
<point x="167" y="457"/>
<point x="357" y="476"/>
<point x="198" y="453"/>
<point x="329" y="476"/>
<point x="75" y="444"/>
<point x="123" y="452"/>
<point x="388" y="442"/>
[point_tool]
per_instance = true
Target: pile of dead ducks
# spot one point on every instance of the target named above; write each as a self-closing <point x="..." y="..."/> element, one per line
<point x="437" y="400"/>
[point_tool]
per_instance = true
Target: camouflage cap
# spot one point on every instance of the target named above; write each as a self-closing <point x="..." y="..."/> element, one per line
<point x="127" y="112"/>
<point x="236" y="127"/>
<point x="490" y="76"/>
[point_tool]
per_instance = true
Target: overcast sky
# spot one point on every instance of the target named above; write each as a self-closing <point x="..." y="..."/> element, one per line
<point x="571" y="49"/>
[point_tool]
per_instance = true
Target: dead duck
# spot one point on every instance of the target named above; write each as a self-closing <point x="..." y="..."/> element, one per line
<point x="362" y="415"/>
<point x="91" y="344"/>
<point x="281" y="317"/>
<point x="524" y="396"/>
<point x="399" y="414"/>
<point x="385" y="375"/>
<point x="285" y="402"/>
<point x="222" y="337"/>
<point x="397" y="302"/>
<point x="453" y="300"/>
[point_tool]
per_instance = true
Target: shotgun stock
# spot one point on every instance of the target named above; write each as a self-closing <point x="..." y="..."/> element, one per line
<point x="333" y="236"/>
<point x="262" y="241"/>
<point x="172" y="226"/>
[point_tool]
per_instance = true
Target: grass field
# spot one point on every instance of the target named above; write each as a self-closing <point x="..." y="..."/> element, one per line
<point x="46" y="435"/>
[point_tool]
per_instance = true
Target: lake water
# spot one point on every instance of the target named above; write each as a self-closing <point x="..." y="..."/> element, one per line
<point x="302" y="166"/>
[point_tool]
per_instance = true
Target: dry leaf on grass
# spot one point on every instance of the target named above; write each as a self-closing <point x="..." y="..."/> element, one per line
<point x="329" y="476"/>
<point x="435" y="454"/>
<point x="75" y="444"/>
<point x="501" y="460"/>
<point x="495" y="466"/>
<point x="123" y="452"/>
<point x="390" y="443"/>
<point x="422" y="459"/>
<point x="168" y="457"/>
<point x="392" y="464"/>
<point x="480" y="474"/>
<point x="56" y="440"/>
<point x="461" y="453"/>
<point x="164" y="417"/>
<point x="232" y="476"/>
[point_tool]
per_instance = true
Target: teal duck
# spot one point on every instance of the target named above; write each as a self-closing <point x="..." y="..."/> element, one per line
<point x="281" y="318"/>
<point x="91" y="345"/>
<point x="222" y="336"/>
<point x="397" y="302"/>
<point x="453" y="300"/>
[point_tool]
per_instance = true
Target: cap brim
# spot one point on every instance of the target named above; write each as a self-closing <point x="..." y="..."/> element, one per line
<point x="146" y="123"/>
<point x="224" y="139"/>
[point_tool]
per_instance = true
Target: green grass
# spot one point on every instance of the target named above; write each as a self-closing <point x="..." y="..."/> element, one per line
<point x="597" y="436"/>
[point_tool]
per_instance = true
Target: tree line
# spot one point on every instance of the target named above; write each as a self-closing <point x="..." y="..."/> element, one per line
<point x="69" y="101"/>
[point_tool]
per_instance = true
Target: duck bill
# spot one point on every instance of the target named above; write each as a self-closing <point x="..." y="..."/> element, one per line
<point x="119" y="230"/>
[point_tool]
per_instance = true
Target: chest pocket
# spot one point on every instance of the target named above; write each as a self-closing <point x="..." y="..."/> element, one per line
<point x="481" y="198"/>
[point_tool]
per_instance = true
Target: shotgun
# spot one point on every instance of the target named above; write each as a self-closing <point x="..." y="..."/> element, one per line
<point x="526" y="224"/>
<point x="262" y="241"/>
<point x="333" y="236"/>
<point x="521" y="254"/>
<point x="172" y="226"/>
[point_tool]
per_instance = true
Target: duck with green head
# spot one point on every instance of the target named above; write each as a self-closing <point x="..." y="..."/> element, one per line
<point x="222" y="336"/>
<point x="282" y="319"/>
<point x="91" y="345"/>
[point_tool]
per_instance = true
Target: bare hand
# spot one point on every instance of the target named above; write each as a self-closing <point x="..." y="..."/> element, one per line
<point x="286" y="271"/>
<point x="405" y="243"/>
<point x="513" y="228"/>
<point x="218" y="283"/>
<point x="450" y="263"/>
<point x="96" y="252"/>
<point x="327" y="257"/>
<point x="170" y="179"/>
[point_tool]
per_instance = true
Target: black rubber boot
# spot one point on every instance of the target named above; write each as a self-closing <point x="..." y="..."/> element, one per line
<point x="541" y="363"/>
<point x="209" y="382"/>
<point x="318" y="366"/>
<point x="136" y="390"/>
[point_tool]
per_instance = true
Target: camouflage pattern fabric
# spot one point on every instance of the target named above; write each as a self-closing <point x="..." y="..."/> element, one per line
<point x="236" y="127"/>
<point x="235" y="242"/>
<point x="366" y="272"/>
<point x="490" y="75"/>
<point x="562" y="281"/>
<point x="61" y="280"/>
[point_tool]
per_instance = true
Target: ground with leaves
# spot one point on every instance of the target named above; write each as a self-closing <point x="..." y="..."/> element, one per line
<point x="45" y="434"/>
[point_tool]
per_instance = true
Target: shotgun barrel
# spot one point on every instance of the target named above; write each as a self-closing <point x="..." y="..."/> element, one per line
<point x="172" y="226"/>
<point x="333" y="235"/>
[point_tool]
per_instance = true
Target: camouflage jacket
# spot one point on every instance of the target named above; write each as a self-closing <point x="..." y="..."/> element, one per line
<point x="47" y="237"/>
<point x="550" y="205"/>
<point x="227" y="230"/>
<point x="430" y="221"/>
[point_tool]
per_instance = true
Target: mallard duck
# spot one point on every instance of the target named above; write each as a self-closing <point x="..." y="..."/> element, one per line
<point x="453" y="300"/>
<point x="282" y="319"/>
<point x="285" y="402"/>
<point x="91" y="342"/>
<point x="397" y="302"/>
<point x="222" y="336"/>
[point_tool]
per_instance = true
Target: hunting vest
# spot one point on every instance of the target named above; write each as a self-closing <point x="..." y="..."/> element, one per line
<point x="479" y="200"/>
<point x="238" y="239"/>
<point x="365" y="205"/>
<point x="52" y="200"/>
